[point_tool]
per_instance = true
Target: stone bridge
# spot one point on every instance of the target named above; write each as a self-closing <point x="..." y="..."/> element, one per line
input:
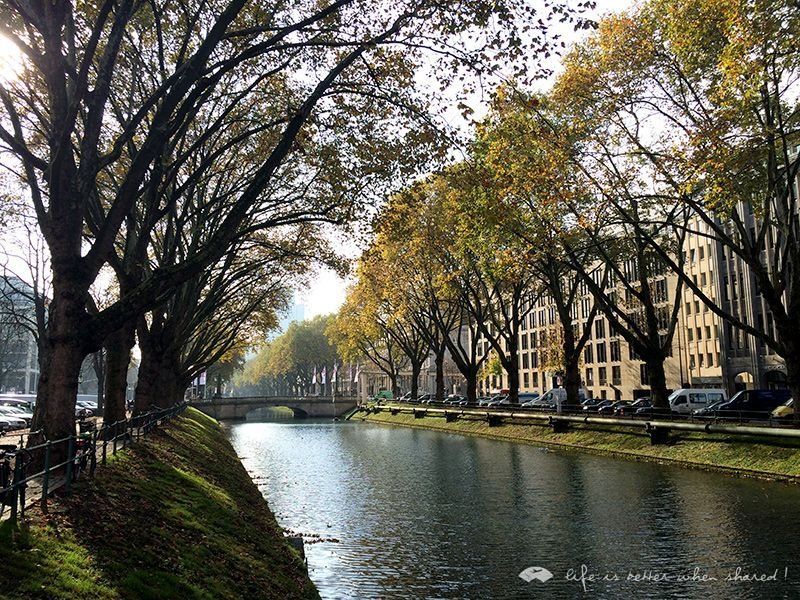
<point x="236" y="409"/>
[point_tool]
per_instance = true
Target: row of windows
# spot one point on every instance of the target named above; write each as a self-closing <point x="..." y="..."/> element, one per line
<point x="700" y="253"/>
<point x="697" y="333"/>
<point x="703" y="360"/>
<point x="602" y="376"/>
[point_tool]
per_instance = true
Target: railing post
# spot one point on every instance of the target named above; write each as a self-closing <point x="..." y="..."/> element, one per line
<point x="93" y="457"/>
<point x="105" y="443"/>
<point x="15" y="489"/>
<point x="70" y="460"/>
<point x="46" y="475"/>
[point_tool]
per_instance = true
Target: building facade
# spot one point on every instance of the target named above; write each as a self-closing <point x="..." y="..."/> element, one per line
<point x="706" y="351"/>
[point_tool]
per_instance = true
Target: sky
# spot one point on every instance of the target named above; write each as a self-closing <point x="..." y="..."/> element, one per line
<point x="326" y="291"/>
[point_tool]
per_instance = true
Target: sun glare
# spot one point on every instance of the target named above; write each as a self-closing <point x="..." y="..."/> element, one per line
<point x="10" y="60"/>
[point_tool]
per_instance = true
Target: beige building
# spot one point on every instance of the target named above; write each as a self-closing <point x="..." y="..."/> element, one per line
<point x="706" y="351"/>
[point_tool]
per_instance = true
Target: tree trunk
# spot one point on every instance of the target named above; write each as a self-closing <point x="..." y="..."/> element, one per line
<point x="415" y="370"/>
<point x="658" y="381"/>
<point x="54" y="412"/>
<point x="572" y="374"/>
<point x="572" y="381"/>
<point x="472" y="386"/>
<point x="440" y="374"/>
<point x="147" y="382"/>
<point x="512" y="369"/>
<point x="395" y="388"/>
<point x="118" y="355"/>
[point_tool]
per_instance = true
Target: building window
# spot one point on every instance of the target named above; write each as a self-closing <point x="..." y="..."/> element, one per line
<point x="599" y="329"/>
<point x="601" y="353"/>
<point x="616" y="353"/>
<point x="589" y="376"/>
<point x="535" y="359"/>
<point x="525" y="361"/>
<point x="524" y="339"/>
<point x="691" y="361"/>
<point x="526" y="379"/>
<point x="703" y="279"/>
<point x="690" y="334"/>
<point x="702" y="252"/>
<point x="688" y="308"/>
<point x="601" y="375"/>
<point x="643" y="374"/>
<point x="699" y="334"/>
<point x="708" y="332"/>
<point x="701" y="359"/>
<point x="535" y="379"/>
<point x="533" y="339"/>
<point x="588" y="357"/>
<point x="697" y="306"/>
<point x="710" y="359"/>
<point x="616" y="375"/>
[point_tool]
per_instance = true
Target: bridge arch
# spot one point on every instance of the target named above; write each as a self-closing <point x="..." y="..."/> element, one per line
<point x="264" y="411"/>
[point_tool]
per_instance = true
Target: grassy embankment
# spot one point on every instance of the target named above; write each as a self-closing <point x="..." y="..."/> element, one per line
<point x="741" y="455"/>
<point x="175" y="516"/>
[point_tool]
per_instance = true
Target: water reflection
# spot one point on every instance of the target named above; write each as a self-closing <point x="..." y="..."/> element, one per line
<point x="425" y="514"/>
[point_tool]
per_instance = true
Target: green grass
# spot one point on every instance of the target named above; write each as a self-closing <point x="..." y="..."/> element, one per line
<point x="742" y="455"/>
<point x="175" y="516"/>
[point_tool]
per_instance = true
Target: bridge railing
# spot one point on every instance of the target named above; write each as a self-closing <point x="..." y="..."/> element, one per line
<point x="225" y="399"/>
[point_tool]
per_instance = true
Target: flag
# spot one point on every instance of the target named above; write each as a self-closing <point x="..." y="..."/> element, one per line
<point x="335" y="372"/>
<point x="314" y="377"/>
<point x="324" y="375"/>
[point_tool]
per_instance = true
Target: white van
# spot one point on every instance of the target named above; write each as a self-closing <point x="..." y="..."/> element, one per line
<point x="687" y="400"/>
<point x="558" y="396"/>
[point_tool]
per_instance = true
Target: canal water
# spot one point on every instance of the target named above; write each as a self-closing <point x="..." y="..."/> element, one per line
<point x="407" y="513"/>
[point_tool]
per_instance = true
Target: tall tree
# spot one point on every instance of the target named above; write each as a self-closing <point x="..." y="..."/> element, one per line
<point x="66" y="124"/>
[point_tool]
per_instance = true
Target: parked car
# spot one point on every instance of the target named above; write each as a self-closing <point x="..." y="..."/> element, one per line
<point x="558" y="397"/>
<point x="86" y="404"/>
<point x="709" y="412"/>
<point x="590" y="404"/>
<point x="632" y="407"/>
<point x="687" y="400"/>
<point x="611" y="409"/>
<point x="426" y="398"/>
<point x="652" y="411"/>
<point x="527" y="400"/>
<point x="10" y="401"/>
<point x="484" y="400"/>
<point x="601" y="406"/>
<point x="454" y="399"/>
<point x="752" y="404"/>
<point x="11" y="422"/>
<point x="496" y="399"/>
<point x="18" y="413"/>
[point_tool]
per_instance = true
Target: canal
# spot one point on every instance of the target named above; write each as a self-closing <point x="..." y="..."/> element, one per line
<point x="407" y="513"/>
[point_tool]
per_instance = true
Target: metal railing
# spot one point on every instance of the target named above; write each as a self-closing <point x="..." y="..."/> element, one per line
<point x="23" y="467"/>
<point x="656" y="425"/>
<point x="751" y="418"/>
